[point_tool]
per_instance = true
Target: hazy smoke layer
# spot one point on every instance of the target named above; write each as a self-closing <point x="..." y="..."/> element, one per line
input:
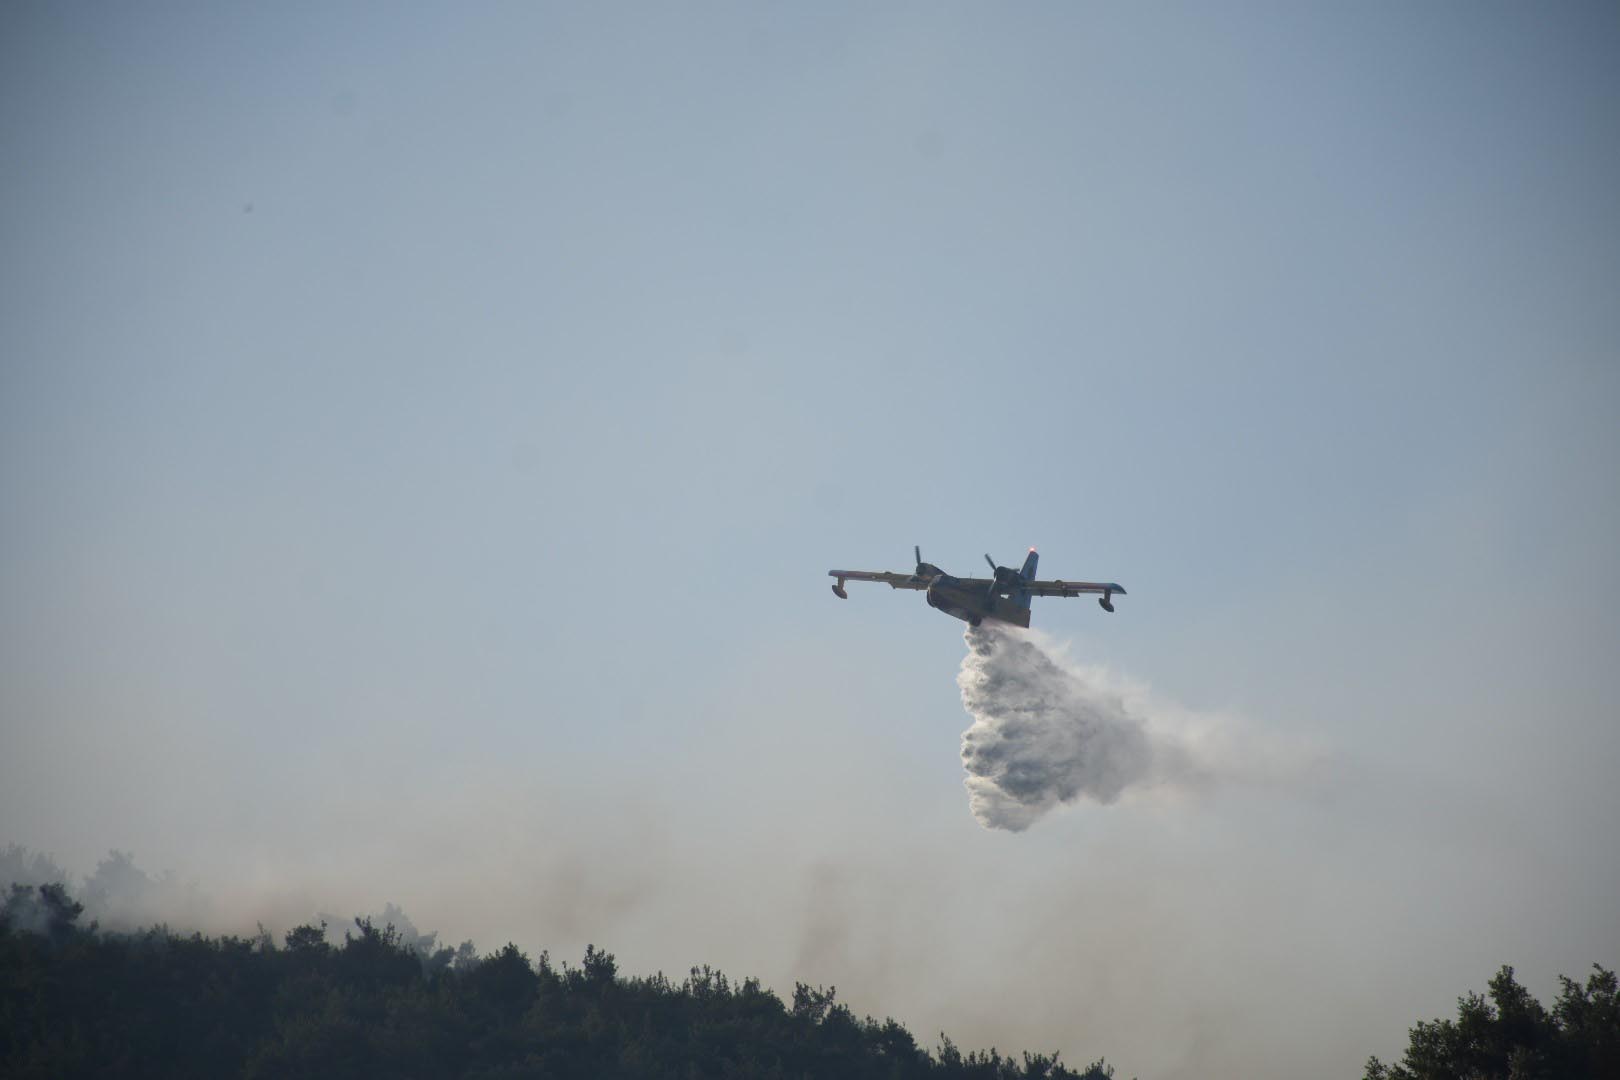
<point x="120" y="897"/>
<point x="1043" y="733"/>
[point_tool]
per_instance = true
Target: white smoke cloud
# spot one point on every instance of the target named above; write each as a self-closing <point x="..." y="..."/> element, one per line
<point x="1047" y="731"/>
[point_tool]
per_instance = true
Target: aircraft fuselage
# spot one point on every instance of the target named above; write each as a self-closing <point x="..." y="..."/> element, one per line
<point x="972" y="604"/>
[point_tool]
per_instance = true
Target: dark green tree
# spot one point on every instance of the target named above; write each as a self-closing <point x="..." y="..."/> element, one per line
<point x="1511" y="1036"/>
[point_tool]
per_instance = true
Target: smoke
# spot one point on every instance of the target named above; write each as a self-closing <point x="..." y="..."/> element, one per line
<point x="19" y="866"/>
<point x="1046" y="732"/>
<point x="121" y="898"/>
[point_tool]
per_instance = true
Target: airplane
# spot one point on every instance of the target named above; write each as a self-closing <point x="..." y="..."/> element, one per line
<point x="1004" y="597"/>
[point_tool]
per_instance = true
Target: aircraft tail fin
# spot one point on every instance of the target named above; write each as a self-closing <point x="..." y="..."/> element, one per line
<point x="1021" y="596"/>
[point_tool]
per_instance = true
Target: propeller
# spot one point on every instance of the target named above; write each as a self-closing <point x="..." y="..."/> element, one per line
<point x="924" y="571"/>
<point x="1001" y="576"/>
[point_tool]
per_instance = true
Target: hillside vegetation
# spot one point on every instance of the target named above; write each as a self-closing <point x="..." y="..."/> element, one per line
<point x="1512" y="1036"/>
<point x="75" y="1002"/>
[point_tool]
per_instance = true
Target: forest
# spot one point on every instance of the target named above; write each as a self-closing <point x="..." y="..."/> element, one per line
<point x="78" y="1002"/>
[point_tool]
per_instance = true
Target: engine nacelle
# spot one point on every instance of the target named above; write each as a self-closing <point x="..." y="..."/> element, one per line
<point x="838" y="590"/>
<point x="1106" y="602"/>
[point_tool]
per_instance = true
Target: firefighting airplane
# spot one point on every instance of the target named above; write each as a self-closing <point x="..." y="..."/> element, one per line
<point x="1004" y="597"/>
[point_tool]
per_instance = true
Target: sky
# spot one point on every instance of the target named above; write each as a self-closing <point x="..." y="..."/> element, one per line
<point x="425" y="431"/>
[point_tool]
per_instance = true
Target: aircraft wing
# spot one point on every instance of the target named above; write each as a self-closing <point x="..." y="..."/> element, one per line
<point x="894" y="581"/>
<point x="1072" y="588"/>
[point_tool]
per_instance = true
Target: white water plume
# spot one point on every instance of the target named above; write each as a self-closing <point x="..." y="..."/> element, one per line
<point x="1046" y="732"/>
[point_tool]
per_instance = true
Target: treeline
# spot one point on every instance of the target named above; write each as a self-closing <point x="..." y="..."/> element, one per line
<point x="75" y="1002"/>
<point x="1512" y="1036"/>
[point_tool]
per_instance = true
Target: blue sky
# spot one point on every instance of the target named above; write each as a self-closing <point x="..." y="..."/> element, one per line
<point x="424" y="432"/>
